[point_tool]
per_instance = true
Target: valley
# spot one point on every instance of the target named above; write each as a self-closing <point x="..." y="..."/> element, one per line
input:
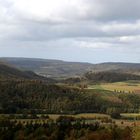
<point x="98" y="101"/>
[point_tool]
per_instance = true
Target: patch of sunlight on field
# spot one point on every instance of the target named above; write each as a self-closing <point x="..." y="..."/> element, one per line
<point x="82" y="115"/>
<point x="129" y="86"/>
<point x="91" y="115"/>
<point x="130" y="115"/>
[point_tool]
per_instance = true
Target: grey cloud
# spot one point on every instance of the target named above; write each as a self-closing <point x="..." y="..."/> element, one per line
<point x="107" y="24"/>
<point x="106" y="10"/>
<point x="36" y="31"/>
<point x="102" y="10"/>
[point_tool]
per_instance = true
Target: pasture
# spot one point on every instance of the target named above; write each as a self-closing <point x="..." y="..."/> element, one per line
<point x="131" y="116"/>
<point x="82" y="115"/>
<point x="127" y="87"/>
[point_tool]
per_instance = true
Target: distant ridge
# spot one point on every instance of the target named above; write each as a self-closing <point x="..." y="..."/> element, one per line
<point x="48" y="67"/>
<point x="12" y="73"/>
<point x="58" y="68"/>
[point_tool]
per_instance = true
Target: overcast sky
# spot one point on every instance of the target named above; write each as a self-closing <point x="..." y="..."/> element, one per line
<point x="73" y="30"/>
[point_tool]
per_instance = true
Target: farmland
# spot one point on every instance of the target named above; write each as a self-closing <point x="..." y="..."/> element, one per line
<point x="67" y="127"/>
<point x="127" y="87"/>
<point x="126" y="120"/>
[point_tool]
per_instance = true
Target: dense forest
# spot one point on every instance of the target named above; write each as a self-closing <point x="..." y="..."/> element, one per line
<point x="18" y="96"/>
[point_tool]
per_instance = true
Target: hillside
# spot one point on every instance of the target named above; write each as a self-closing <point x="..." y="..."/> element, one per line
<point x="109" y="76"/>
<point x="92" y="77"/>
<point x="49" y="68"/>
<point x="63" y="69"/>
<point x="11" y="73"/>
<point x="133" y="68"/>
<point x="29" y="96"/>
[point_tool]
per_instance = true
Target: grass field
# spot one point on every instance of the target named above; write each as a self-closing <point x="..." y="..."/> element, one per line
<point x="83" y="115"/>
<point x="131" y="115"/>
<point x="129" y="86"/>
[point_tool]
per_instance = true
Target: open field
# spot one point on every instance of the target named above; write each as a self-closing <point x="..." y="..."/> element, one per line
<point x="132" y="116"/>
<point x="129" y="86"/>
<point x="83" y="115"/>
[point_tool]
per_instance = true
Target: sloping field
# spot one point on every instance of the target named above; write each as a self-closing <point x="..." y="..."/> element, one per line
<point x="129" y="86"/>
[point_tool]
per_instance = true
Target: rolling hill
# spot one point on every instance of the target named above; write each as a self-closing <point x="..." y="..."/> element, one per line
<point x="101" y="77"/>
<point x="12" y="73"/>
<point x="30" y="94"/>
<point x="49" y="68"/>
<point x="131" y="68"/>
<point x="38" y="97"/>
<point x="63" y="69"/>
<point x="110" y="76"/>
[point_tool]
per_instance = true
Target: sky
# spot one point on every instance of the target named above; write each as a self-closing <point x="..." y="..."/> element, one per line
<point x="92" y="31"/>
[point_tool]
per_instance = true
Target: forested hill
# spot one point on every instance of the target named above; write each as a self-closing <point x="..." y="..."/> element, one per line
<point x="131" y="68"/>
<point x="48" y="67"/>
<point x="99" y="77"/>
<point x="63" y="69"/>
<point x="109" y="76"/>
<point x="38" y="97"/>
<point x="9" y="72"/>
<point x="19" y="96"/>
